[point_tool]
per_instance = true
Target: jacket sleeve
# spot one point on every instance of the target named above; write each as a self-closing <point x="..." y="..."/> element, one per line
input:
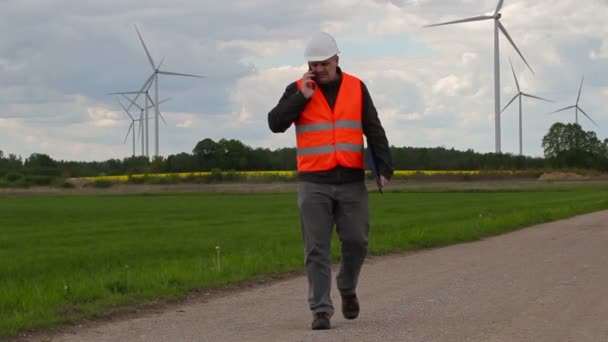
<point x="376" y="137"/>
<point x="288" y="110"/>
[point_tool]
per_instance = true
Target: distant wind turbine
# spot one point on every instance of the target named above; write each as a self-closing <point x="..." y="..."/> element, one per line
<point x="132" y="126"/>
<point x="519" y="95"/>
<point x="497" y="26"/>
<point x="143" y="110"/>
<point x="148" y="83"/>
<point x="577" y="107"/>
<point x="140" y="120"/>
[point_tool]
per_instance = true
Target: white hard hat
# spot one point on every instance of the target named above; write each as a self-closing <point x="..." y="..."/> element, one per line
<point x="320" y="47"/>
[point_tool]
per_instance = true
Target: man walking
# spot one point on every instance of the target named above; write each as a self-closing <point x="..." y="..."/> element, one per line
<point x="332" y="111"/>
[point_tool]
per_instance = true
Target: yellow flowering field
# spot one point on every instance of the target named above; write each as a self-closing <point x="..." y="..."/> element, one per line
<point x="290" y="175"/>
<point x="186" y="176"/>
<point x="406" y="173"/>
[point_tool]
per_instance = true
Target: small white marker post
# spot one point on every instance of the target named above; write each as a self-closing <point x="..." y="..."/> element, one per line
<point x="219" y="263"/>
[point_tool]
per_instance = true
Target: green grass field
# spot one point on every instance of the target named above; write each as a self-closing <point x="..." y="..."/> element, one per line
<point x="67" y="257"/>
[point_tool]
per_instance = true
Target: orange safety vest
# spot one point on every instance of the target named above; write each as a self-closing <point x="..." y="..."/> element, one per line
<point x="326" y="138"/>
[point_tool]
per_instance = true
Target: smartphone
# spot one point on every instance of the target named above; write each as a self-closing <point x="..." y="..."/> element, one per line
<point x="312" y="84"/>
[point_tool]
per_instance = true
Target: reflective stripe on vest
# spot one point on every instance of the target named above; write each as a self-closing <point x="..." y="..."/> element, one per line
<point x="328" y="126"/>
<point x="309" y="151"/>
<point x="326" y="138"/>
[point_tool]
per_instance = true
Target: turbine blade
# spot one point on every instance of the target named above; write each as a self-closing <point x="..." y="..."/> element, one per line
<point x="504" y="31"/>
<point x="498" y="7"/>
<point x="159" y="102"/>
<point x="579" y="90"/>
<point x="161" y="63"/>
<point x="145" y="48"/>
<point x="178" y="74"/>
<point x="588" y="117"/>
<point x="152" y="78"/>
<point x="515" y="77"/>
<point x="513" y="99"/>
<point x="143" y="87"/>
<point x="126" y="110"/>
<point x="478" y="18"/>
<point x="161" y="116"/>
<point x="129" y="131"/>
<point x="535" y="97"/>
<point x="563" y="109"/>
<point x="125" y="93"/>
<point x="132" y="102"/>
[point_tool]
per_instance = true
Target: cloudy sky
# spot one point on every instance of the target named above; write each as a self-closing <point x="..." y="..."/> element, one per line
<point x="431" y="86"/>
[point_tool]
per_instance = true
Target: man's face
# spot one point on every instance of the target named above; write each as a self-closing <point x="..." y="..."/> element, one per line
<point x="325" y="71"/>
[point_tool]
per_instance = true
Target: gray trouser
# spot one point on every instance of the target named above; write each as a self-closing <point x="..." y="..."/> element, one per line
<point x="322" y="206"/>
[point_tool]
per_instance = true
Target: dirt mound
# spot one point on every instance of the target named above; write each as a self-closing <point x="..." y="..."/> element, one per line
<point x="563" y="176"/>
<point x="78" y="182"/>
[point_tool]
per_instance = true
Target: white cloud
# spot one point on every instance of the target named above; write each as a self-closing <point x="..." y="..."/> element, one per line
<point x="601" y="52"/>
<point x="102" y="116"/>
<point x="469" y="58"/>
<point x="9" y="123"/>
<point x="264" y="48"/>
<point x="395" y="20"/>
<point x="8" y="66"/>
<point x="185" y="124"/>
<point x="450" y="86"/>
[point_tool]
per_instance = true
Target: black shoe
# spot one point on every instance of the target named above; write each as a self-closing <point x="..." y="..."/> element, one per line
<point x="320" y="321"/>
<point x="350" y="306"/>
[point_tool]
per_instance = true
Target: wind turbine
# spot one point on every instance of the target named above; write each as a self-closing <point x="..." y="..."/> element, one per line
<point x="141" y="116"/>
<point x="497" y="26"/>
<point x="154" y="78"/>
<point x="577" y="107"/>
<point x="132" y="126"/>
<point x="519" y="95"/>
<point x="143" y="110"/>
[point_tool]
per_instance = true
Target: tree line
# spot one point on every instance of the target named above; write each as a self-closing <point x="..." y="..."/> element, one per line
<point x="565" y="146"/>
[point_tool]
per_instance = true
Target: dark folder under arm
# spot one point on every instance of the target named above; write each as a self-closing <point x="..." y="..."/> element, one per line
<point x="371" y="162"/>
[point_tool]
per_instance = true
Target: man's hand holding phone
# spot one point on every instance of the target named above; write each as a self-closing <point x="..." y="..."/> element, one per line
<point x="308" y="84"/>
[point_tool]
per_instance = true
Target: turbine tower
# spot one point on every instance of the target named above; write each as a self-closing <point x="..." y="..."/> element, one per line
<point x="497" y="26"/>
<point x="577" y="107"/>
<point x="148" y="83"/>
<point x="519" y="95"/>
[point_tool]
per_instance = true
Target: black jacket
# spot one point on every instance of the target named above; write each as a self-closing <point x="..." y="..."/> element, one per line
<point x="293" y="102"/>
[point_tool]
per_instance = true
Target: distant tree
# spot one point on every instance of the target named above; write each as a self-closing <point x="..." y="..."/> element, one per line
<point x="568" y="145"/>
<point x="113" y="167"/>
<point x="135" y="165"/>
<point x="205" y="153"/>
<point x="157" y="165"/>
<point x="182" y="162"/>
<point x="226" y="154"/>
<point x="235" y="154"/>
<point x="41" y="164"/>
<point x="205" y="147"/>
<point x="284" y="159"/>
